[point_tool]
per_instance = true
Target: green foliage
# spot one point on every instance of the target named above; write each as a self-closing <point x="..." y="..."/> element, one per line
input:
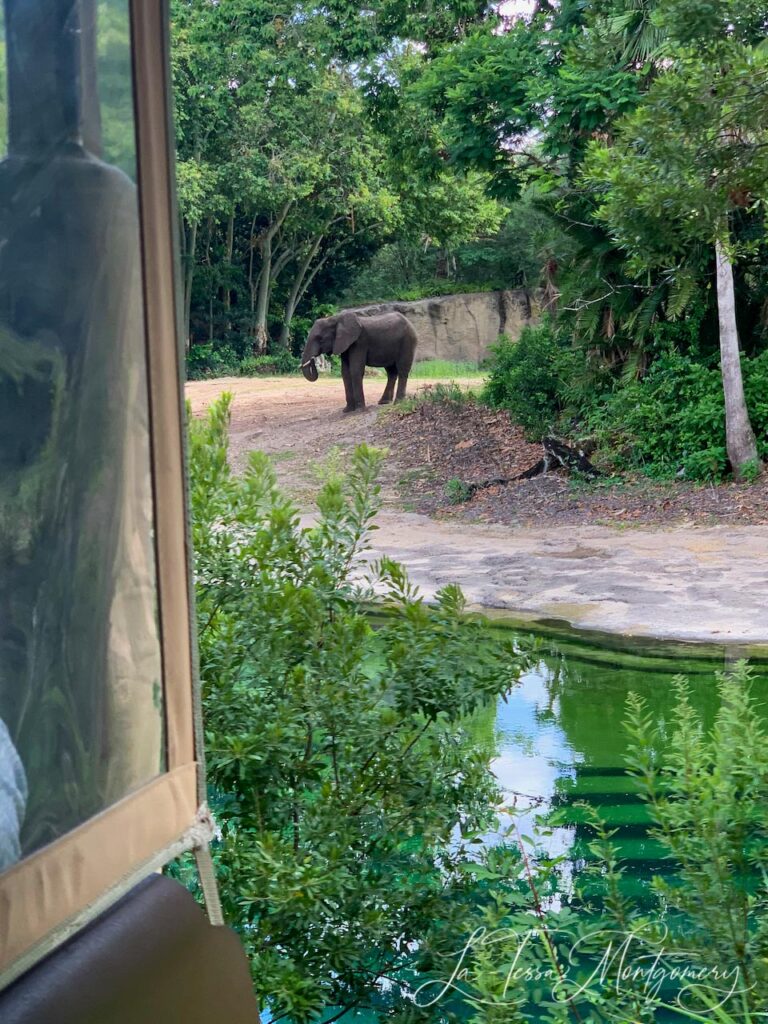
<point x="279" y="361"/>
<point x="380" y="291"/>
<point x="673" y="419"/>
<point x="279" y="169"/>
<point x="669" y="421"/>
<point x="751" y="470"/>
<point x="342" y="769"/>
<point x="708" y="799"/>
<point x="660" y="188"/>
<point x="429" y="369"/>
<point x="450" y="394"/>
<point x="211" y="361"/>
<point x="223" y="361"/>
<point x="529" y="378"/>
<point x="457" y="491"/>
<point x="515" y="256"/>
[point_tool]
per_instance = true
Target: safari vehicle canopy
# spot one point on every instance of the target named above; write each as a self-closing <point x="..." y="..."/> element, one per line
<point x="101" y="781"/>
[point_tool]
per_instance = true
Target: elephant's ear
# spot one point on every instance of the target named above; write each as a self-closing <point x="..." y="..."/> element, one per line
<point x="347" y="332"/>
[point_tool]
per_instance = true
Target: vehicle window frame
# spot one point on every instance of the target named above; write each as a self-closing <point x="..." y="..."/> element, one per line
<point x="58" y="889"/>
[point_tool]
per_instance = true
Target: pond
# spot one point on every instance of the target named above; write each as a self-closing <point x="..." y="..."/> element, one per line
<point x="561" y="742"/>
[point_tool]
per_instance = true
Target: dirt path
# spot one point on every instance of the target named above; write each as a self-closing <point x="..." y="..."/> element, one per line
<point x="301" y="425"/>
<point x="687" y="582"/>
<point x="286" y="417"/>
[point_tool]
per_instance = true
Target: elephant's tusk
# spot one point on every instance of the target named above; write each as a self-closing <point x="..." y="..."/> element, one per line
<point x="308" y="363"/>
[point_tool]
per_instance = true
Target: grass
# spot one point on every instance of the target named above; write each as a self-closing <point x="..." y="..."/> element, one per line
<point x="448" y="393"/>
<point x="431" y="369"/>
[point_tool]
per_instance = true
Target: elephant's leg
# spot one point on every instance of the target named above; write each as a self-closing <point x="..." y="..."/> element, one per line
<point x="356" y="371"/>
<point x="345" y="376"/>
<point x="403" y="369"/>
<point x="389" y="390"/>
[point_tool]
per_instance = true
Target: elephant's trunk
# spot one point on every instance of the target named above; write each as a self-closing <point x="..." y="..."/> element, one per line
<point x="309" y="369"/>
<point x="308" y="365"/>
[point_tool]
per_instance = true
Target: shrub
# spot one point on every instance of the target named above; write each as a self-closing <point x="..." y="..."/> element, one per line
<point x="211" y="361"/>
<point x="457" y="491"/>
<point x="449" y="394"/>
<point x="222" y="361"/>
<point x="279" y="361"/>
<point x="674" y="418"/>
<point x="342" y="768"/>
<point x="528" y="378"/>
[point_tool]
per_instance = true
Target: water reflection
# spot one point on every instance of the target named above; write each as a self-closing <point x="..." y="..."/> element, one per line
<point x="534" y="755"/>
<point x="561" y="743"/>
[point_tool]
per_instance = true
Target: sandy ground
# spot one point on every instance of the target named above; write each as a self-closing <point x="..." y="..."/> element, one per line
<point x="690" y="583"/>
<point x="301" y="425"/>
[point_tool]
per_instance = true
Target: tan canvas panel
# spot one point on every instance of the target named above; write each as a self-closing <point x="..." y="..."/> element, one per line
<point x="53" y="886"/>
<point x="155" y="173"/>
<point x="69" y="880"/>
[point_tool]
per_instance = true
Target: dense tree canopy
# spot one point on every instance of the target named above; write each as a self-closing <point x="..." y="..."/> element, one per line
<point x="612" y="153"/>
<point x="283" y="170"/>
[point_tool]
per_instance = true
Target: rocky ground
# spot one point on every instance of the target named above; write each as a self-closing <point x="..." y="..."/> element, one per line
<point x="631" y="556"/>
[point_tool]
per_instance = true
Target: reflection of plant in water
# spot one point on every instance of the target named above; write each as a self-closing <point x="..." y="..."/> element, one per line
<point x="698" y="951"/>
<point x="708" y="797"/>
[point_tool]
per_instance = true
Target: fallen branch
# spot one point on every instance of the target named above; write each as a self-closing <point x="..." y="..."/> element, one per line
<point x="557" y="455"/>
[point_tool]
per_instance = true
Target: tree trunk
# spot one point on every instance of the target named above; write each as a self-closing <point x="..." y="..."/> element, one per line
<point x="230" y="246"/>
<point x="739" y="436"/>
<point x="295" y="293"/>
<point x="265" y="281"/>
<point x="189" y="276"/>
<point x="285" y="328"/>
<point x="262" y="296"/>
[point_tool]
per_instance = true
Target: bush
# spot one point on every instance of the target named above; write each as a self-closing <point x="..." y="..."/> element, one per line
<point x="222" y="361"/>
<point x="674" y="418"/>
<point x="457" y="491"/>
<point x="449" y="393"/>
<point x="279" y="361"/>
<point x="211" y="361"/>
<point x="529" y="377"/>
<point x="342" y="768"/>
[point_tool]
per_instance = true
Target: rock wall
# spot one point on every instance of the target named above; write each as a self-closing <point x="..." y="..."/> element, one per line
<point x="462" y="328"/>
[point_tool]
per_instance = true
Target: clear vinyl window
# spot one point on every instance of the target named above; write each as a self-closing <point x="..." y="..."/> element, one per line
<point x="81" y="710"/>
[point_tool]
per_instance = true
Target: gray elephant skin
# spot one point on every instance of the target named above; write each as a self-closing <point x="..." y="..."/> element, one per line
<point x="387" y="340"/>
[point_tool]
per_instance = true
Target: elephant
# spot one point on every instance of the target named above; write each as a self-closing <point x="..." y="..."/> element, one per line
<point x="387" y="340"/>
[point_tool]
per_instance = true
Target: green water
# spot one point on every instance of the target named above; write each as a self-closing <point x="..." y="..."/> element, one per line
<point x="561" y="742"/>
<point x="558" y="742"/>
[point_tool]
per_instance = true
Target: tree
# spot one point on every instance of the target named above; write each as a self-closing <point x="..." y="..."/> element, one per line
<point x="277" y="164"/>
<point x="520" y="101"/>
<point x="692" y="154"/>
